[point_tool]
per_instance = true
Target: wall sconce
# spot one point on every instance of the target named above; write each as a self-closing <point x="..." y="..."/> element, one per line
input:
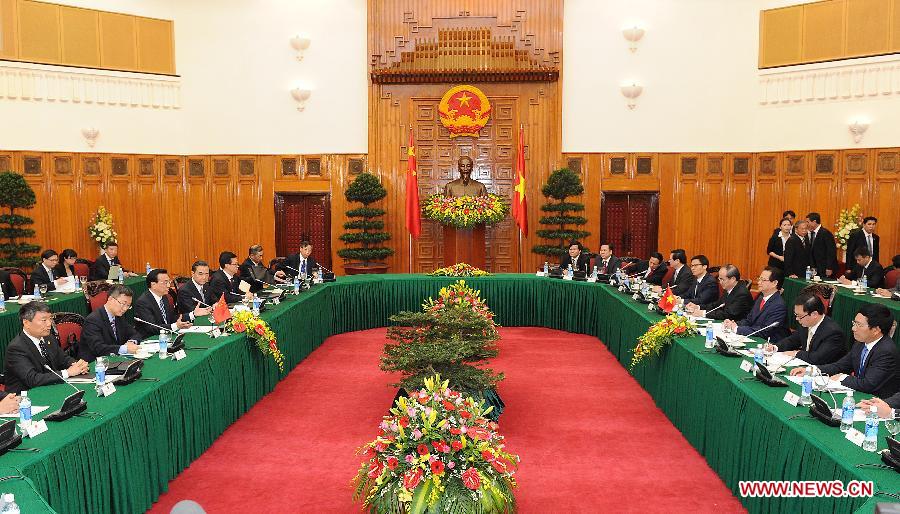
<point x="300" y="43"/>
<point x="633" y="35"/>
<point x="301" y="95"/>
<point x="858" y="128"/>
<point x="90" y="135"/>
<point x="631" y="92"/>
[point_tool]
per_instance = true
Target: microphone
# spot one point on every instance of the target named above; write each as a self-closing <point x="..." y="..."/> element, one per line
<point x="324" y="268"/>
<point x="201" y="303"/>
<point x="167" y="329"/>
<point x="235" y="294"/>
<point x="774" y="324"/>
<point x="716" y="307"/>
<point x="61" y="378"/>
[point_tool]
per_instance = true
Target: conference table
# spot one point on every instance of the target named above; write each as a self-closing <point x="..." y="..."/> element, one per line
<point x="844" y="306"/>
<point x="121" y="457"/>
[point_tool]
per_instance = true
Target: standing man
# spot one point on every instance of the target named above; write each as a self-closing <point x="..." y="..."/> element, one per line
<point x="105" y="331"/>
<point x="193" y="298"/>
<point x="865" y="237"/>
<point x="822" y="247"/>
<point x="576" y="258"/>
<point x="606" y="262"/>
<point x="154" y="306"/>
<point x="301" y="262"/>
<point x="796" y="251"/>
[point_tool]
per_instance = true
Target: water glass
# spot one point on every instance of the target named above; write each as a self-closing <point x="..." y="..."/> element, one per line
<point x="892" y="426"/>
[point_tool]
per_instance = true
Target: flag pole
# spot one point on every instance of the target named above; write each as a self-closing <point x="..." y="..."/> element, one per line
<point x="521" y="264"/>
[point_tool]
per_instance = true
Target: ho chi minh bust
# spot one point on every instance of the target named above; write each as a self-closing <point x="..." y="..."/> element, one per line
<point x="465" y="185"/>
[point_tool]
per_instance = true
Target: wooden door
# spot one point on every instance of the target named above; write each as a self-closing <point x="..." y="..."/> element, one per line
<point x="303" y="217"/>
<point x="630" y="223"/>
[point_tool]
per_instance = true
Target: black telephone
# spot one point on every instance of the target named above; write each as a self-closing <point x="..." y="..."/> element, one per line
<point x="891" y="456"/>
<point x="125" y="372"/>
<point x="765" y="376"/>
<point x="175" y="344"/>
<point x="822" y="412"/>
<point x="9" y="439"/>
<point x="723" y="348"/>
<point x="72" y="405"/>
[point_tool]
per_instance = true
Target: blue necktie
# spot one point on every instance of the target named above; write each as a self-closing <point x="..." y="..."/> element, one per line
<point x="303" y="267"/>
<point x="862" y="360"/>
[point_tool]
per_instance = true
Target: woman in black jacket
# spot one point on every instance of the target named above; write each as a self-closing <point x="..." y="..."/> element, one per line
<point x="777" y="243"/>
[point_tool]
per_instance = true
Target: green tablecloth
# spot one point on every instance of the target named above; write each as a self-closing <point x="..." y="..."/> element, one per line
<point x="149" y="431"/>
<point x="845" y="306"/>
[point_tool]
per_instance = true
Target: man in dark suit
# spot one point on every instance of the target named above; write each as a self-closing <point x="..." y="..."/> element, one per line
<point x="703" y="289"/>
<point x="193" y="298"/>
<point x="819" y="340"/>
<point x="301" y="262"/>
<point x="735" y="301"/>
<point x="105" y="332"/>
<point x="576" y="257"/>
<point x="226" y="280"/>
<point x="796" y="251"/>
<point x="822" y="247"/>
<point x="606" y="262"/>
<point x="109" y="258"/>
<point x="652" y="270"/>
<point x="871" y="365"/>
<point x="254" y="271"/>
<point x="769" y="308"/>
<point x="681" y="278"/>
<point x="865" y="267"/>
<point x="43" y="273"/>
<point x="33" y="349"/>
<point x="154" y="306"/>
<point x="865" y="238"/>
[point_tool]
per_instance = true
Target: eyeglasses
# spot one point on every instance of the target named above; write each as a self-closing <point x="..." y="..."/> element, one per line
<point x="694" y="265"/>
<point x="760" y="279"/>
<point x="857" y="324"/>
<point x="799" y="317"/>
<point x="123" y="304"/>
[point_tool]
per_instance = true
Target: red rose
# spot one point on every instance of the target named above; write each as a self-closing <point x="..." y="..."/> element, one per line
<point x="465" y="414"/>
<point x="422" y="449"/>
<point x="456" y="445"/>
<point x="471" y="479"/>
<point x="392" y="463"/>
<point x="449" y="406"/>
<point x="437" y="467"/>
<point x="403" y="422"/>
<point x="239" y="327"/>
<point x="424" y="399"/>
<point x="412" y="478"/>
<point x="260" y="330"/>
<point x="380" y="446"/>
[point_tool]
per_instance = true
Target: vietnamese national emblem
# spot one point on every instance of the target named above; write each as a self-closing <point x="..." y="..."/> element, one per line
<point x="464" y="110"/>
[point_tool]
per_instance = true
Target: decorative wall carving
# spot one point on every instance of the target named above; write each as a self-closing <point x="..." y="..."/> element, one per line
<point x="870" y="78"/>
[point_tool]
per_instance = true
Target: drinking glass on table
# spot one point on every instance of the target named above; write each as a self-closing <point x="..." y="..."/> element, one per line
<point x="892" y="426"/>
<point x="43" y="289"/>
<point x="768" y="352"/>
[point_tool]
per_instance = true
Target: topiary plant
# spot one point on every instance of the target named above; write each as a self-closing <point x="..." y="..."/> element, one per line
<point x="562" y="184"/>
<point x="15" y="193"/>
<point x="365" y="189"/>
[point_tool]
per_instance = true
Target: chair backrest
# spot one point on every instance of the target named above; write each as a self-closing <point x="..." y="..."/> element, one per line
<point x="670" y="272"/>
<point x="824" y="291"/>
<point x="274" y="263"/>
<point x="181" y="280"/>
<point x="842" y="268"/>
<point x="68" y="327"/>
<point x="96" y="292"/>
<point x="98" y="300"/>
<point x="890" y="280"/>
<point x="82" y="269"/>
<point x="18" y="278"/>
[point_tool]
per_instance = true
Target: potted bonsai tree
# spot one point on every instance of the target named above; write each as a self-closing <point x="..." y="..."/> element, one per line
<point x="367" y="231"/>
<point x="15" y="194"/>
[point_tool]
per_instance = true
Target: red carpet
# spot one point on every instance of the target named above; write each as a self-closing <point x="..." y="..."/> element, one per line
<point x="590" y="438"/>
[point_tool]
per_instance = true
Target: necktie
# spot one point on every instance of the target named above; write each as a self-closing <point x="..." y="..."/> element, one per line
<point x="762" y="304"/>
<point x="809" y="338"/>
<point x="869" y="242"/>
<point x="862" y="360"/>
<point x="45" y="352"/>
<point x="50" y="274"/>
<point x="162" y="309"/>
<point x="112" y="323"/>
<point x="303" y="267"/>
<point x="812" y="237"/>
<point x="603" y="270"/>
<point x="696" y="287"/>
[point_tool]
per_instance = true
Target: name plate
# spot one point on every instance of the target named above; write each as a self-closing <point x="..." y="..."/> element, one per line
<point x="216" y="332"/>
<point x="35" y="428"/>
<point x="746" y="366"/>
<point x="177" y="356"/>
<point x="592" y="280"/>
<point x="566" y="277"/>
<point x="539" y="274"/>
<point x="276" y="301"/>
<point x="791" y="398"/>
<point x="855" y="436"/>
<point x="106" y="389"/>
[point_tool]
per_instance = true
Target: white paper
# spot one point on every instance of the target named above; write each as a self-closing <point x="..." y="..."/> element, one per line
<point x="819" y="384"/>
<point x="791" y="398"/>
<point x="35" y="409"/>
<point x="855" y="436"/>
<point x="196" y="330"/>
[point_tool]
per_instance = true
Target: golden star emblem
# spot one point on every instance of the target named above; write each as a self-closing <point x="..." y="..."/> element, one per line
<point x="520" y="187"/>
<point x="464" y="99"/>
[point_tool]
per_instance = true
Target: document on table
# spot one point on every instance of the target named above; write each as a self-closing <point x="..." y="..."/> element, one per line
<point x="858" y="415"/>
<point x="197" y="330"/>
<point x="34" y="410"/>
<point x="87" y="378"/>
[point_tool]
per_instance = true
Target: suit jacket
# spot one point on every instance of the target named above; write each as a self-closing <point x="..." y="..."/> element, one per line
<point x="254" y="274"/>
<point x="611" y="266"/>
<point x="823" y="252"/>
<point x="857" y="239"/>
<point x="879" y="375"/>
<point x="219" y="284"/>
<point x="185" y="302"/>
<point x="874" y="273"/>
<point x="293" y="260"/>
<point x="97" y="337"/>
<point x="146" y="308"/>
<point x="702" y="292"/>
<point x="40" y="277"/>
<point x="100" y="269"/>
<point x="827" y="344"/>
<point x="60" y="270"/>
<point x="680" y="281"/>
<point x="774" y="311"/>
<point x="776" y="247"/>
<point x="737" y="303"/>
<point x="25" y="365"/>
<point x="796" y="256"/>
<point x="9" y="289"/>
<point x="581" y="263"/>
<point x="655" y="277"/>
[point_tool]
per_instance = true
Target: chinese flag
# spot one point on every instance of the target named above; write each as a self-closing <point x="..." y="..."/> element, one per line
<point x="519" y="210"/>
<point x="220" y="310"/>
<point x="413" y="221"/>
<point x="667" y="302"/>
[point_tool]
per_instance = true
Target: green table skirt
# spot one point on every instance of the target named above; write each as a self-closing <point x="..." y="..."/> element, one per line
<point x="145" y="434"/>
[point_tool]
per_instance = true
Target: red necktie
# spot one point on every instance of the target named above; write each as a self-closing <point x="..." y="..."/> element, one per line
<point x="762" y="304"/>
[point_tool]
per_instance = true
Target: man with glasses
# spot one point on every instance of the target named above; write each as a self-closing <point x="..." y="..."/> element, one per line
<point x="226" y="281"/>
<point x="871" y="365"/>
<point x="45" y="272"/>
<point x="735" y="302"/>
<point x="105" y="332"/>
<point x="819" y="340"/>
<point x="193" y="298"/>
<point x="769" y="309"/>
<point x="703" y="289"/>
<point x="154" y="306"/>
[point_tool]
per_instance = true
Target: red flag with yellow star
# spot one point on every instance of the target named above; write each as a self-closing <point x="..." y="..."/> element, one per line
<point x="519" y="209"/>
<point x="413" y="219"/>
<point x="668" y="300"/>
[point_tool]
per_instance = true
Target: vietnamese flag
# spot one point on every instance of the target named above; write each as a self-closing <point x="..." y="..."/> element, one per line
<point x="668" y="300"/>
<point x="220" y="310"/>
<point x="519" y="207"/>
<point x="413" y="219"/>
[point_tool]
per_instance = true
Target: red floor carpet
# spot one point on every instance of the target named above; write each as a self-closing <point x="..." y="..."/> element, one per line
<point x="590" y="438"/>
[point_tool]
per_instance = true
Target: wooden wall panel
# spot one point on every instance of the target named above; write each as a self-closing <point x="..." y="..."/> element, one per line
<point x="38" y="32"/>
<point x="80" y="36"/>
<point x="868" y="27"/>
<point x="155" y="45"/>
<point x="823" y="30"/>
<point x="8" y="29"/>
<point x="781" y="36"/>
<point x="118" y="41"/>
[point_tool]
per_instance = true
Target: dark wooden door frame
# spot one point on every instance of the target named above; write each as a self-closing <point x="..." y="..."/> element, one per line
<point x="324" y="255"/>
<point x="654" y="217"/>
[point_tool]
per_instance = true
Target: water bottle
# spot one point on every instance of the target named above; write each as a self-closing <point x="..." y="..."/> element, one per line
<point x="806" y="388"/>
<point x="710" y="337"/>
<point x="870" y="443"/>
<point x="37" y="292"/>
<point x="121" y="276"/>
<point x="808" y="273"/>
<point x="163" y="344"/>
<point x="149" y="268"/>
<point x="546" y="268"/>
<point x="25" y="410"/>
<point x="758" y="357"/>
<point x="847" y="412"/>
<point x="296" y="285"/>
<point x="256" y="306"/>
<point x="2" y="301"/>
<point x="863" y="282"/>
<point x="594" y="273"/>
<point x="77" y="283"/>
<point x="570" y="271"/>
<point x="100" y="371"/>
<point x="9" y="504"/>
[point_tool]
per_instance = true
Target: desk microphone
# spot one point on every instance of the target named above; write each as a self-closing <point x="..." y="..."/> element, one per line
<point x="167" y="329"/>
<point x="234" y="294"/>
<point x="61" y="378"/>
<point x="774" y="324"/>
<point x="717" y="307"/>
<point x="201" y="303"/>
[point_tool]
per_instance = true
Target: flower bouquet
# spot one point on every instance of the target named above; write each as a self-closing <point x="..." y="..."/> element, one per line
<point x="848" y="221"/>
<point x="459" y="295"/>
<point x="661" y="334"/>
<point x="465" y="211"/>
<point x="258" y="331"/>
<point x="101" y="229"/>
<point x="459" y="270"/>
<point x="436" y="452"/>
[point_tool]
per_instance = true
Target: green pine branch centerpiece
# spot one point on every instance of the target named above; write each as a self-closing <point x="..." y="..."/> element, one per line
<point x="561" y="214"/>
<point x="15" y="194"/>
<point x="368" y="231"/>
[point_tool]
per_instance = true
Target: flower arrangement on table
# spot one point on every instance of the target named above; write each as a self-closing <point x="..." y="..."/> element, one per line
<point x="459" y="270"/>
<point x="437" y="452"/>
<point x="465" y="211"/>
<point x="258" y="331"/>
<point x="848" y="221"/>
<point x="660" y="335"/>
<point x="459" y="294"/>
<point x="101" y="228"/>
